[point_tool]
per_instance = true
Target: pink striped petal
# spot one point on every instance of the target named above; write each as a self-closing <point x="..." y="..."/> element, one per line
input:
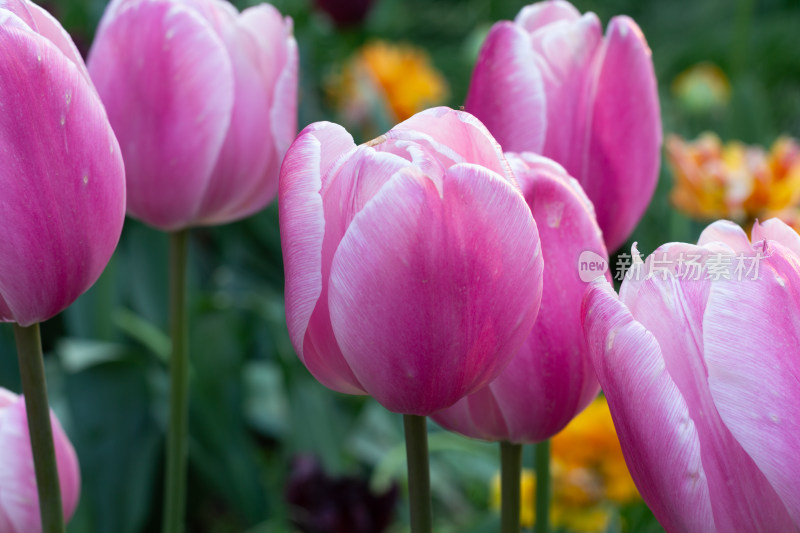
<point x="555" y="359"/>
<point x="728" y="233"/>
<point x="753" y="368"/>
<point x="567" y="55"/>
<point x="537" y="16"/>
<point x="467" y="140"/>
<point x="439" y="263"/>
<point x="62" y="180"/>
<point x="777" y="230"/>
<point x="164" y="88"/>
<point x="551" y="378"/>
<point x="245" y="178"/>
<point x="19" y="499"/>
<point x="507" y="93"/>
<point x="658" y="436"/>
<point x="672" y="311"/>
<point x="355" y="182"/>
<point x="624" y="113"/>
<point x="45" y="25"/>
<point x="309" y="161"/>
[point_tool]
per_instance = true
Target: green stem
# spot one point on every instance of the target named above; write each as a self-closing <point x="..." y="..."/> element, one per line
<point x="741" y="36"/>
<point x="34" y="388"/>
<point x="175" y="483"/>
<point x="419" y="480"/>
<point x="510" y="472"/>
<point x="542" y="463"/>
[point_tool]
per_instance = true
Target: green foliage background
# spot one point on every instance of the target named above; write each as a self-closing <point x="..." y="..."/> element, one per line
<point x="253" y="404"/>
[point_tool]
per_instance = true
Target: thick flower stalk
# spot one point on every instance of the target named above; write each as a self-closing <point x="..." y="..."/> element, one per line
<point x="203" y="100"/>
<point x="19" y="505"/>
<point x="549" y="82"/>
<point x="413" y="264"/>
<point x="698" y="360"/>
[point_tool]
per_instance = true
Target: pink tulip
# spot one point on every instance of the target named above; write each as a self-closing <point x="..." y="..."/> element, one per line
<point x="413" y="264"/>
<point x="203" y="101"/>
<point x="62" y="182"/>
<point x="550" y="83"/>
<point x="702" y="375"/>
<point x="550" y="379"/>
<point x="19" y="500"/>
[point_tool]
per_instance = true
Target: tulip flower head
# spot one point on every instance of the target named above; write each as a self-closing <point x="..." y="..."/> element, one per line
<point x="552" y="84"/>
<point x="203" y="100"/>
<point x="62" y="179"/>
<point x="698" y="360"/>
<point x="413" y="264"/>
<point x="550" y="379"/>
<point x="19" y="499"/>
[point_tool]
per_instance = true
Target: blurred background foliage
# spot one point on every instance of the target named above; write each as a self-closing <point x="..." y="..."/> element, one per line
<point x="268" y="443"/>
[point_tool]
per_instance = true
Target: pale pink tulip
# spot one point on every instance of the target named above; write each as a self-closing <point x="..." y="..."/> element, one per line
<point x="413" y="264"/>
<point x="552" y="84"/>
<point x="62" y="182"/>
<point x="698" y="358"/>
<point x="203" y="100"/>
<point x="19" y="499"/>
<point x="550" y="379"/>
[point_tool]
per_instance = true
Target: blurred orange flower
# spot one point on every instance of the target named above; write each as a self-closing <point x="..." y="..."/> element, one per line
<point x="398" y="78"/>
<point x="734" y="180"/>
<point x="589" y="474"/>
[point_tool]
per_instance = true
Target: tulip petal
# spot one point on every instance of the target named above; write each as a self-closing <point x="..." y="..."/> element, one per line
<point x="624" y="135"/>
<point x="19" y="499"/>
<point x="540" y="14"/>
<point x="728" y="233"/>
<point x="671" y="309"/>
<point x="355" y="182"/>
<point x="302" y="221"/>
<point x="659" y="439"/>
<point x="567" y="57"/>
<point x="777" y="230"/>
<point x="477" y="416"/>
<point x="506" y="91"/>
<point x="170" y="121"/>
<point x="43" y="23"/>
<point x="468" y="140"/>
<point x="245" y="178"/>
<point x="452" y="273"/>
<point x="753" y="368"/>
<point x="63" y="181"/>
<point x="551" y="378"/>
<point x="554" y="367"/>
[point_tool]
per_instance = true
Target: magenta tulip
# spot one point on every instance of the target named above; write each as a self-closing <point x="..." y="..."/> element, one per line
<point x="203" y="101"/>
<point x="62" y="182"/>
<point x="550" y="379"/>
<point x="413" y="264"/>
<point x="19" y="500"/>
<point x="698" y="360"/>
<point x="550" y="83"/>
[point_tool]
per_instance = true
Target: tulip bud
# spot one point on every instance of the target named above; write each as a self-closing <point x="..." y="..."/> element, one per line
<point x="19" y="505"/>
<point x="203" y="101"/>
<point x="552" y="84"/>
<point x="698" y="360"/>
<point x="413" y="264"/>
<point x="61" y="175"/>
<point x="550" y="379"/>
